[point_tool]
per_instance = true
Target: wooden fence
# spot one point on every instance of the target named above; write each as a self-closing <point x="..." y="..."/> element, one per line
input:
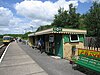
<point x="92" y="43"/>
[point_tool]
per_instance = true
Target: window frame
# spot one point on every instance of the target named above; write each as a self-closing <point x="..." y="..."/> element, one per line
<point x="74" y="40"/>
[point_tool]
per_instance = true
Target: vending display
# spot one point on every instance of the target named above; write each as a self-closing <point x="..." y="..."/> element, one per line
<point x="51" y="44"/>
<point x="51" y="38"/>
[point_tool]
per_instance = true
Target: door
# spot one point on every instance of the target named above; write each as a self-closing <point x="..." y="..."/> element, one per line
<point x="59" y="45"/>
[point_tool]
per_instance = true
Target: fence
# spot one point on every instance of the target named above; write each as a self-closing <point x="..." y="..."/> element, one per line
<point x="92" y="43"/>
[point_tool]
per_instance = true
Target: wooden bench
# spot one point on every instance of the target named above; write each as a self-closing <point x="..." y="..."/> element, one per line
<point x="89" y="62"/>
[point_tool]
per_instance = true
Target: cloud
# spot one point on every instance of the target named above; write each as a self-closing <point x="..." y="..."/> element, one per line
<point x="37" y="23"/>
<point x="9" y="23"/>
<point x="40" y="13"/>
<point x="82" y="1"/>
<point x="35" y="13"/>
<point x="14" y="21"/>
<point x="5" y="16"/>
<point x="4" y="29"/>
<point x="41" y="10"/>
<point x="18" y="25"/>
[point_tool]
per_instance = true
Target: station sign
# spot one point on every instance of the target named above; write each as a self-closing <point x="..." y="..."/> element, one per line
<point x="57" y="29"/>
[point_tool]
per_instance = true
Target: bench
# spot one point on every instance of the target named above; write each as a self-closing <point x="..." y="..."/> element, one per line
<point x="89" y="62"/>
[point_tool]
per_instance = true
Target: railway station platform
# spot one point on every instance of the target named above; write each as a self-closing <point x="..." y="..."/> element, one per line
<point x="17" y="62"/>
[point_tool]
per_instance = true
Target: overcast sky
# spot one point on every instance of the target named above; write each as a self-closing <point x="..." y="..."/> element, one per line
<point x="20" y="16"/>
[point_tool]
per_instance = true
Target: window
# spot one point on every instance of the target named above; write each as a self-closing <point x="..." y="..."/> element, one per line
<point x="74" y="38"/>
<point x="6" y="38"/>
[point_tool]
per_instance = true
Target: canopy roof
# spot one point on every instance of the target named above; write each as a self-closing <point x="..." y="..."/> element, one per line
<point x="59" y="31"/>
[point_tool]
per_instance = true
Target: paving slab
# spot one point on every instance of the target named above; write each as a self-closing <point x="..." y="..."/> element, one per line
<point x="16" y="57"/>
<point x="20" y="69"/>
<point x="38" y="73"/>
<point x="17" y="62"/>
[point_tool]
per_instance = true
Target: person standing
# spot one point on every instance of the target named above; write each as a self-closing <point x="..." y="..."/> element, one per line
<point x="41" y="44"/>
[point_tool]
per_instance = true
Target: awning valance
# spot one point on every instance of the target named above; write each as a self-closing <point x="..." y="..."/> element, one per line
<point x="62" y="31"/>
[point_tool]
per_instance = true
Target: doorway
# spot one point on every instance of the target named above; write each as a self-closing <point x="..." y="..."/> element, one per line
<point x="59" y="45"/>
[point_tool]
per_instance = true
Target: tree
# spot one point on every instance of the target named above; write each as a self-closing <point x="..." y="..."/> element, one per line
<point x="60" y="19"/>
<point x="73" y="17"/>
<point x="92" y="20"/>
<point x="81" y="22"/>
<point x="67" y="19"/>
<point x="25" y="36"/>
<point x="44" y="27"/>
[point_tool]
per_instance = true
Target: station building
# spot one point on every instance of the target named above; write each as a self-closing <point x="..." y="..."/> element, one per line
<point x="59" y="41"/>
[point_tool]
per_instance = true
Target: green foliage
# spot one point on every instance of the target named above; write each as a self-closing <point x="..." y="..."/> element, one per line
<point x="73" y="17"/>
<point x="92" y="20"/>
<point x="25" y="36"/>
<point x="13" y="35"/>
<point x="60" y="19"/>
<point x="1" y="36"/>
<point x="44" y="27"/>
<point x="81" y="21"/>
<point x="67" y="19"/>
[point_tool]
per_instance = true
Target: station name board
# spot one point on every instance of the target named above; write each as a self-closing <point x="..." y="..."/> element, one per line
<point x="57" y="29"/>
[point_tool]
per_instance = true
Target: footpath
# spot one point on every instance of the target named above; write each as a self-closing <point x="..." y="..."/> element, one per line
<point x="17" y="62"/>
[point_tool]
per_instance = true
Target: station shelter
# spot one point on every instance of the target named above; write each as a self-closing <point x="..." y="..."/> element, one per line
<point x="59" y="41"/>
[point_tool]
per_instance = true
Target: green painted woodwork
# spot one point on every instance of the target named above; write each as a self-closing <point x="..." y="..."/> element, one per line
<point x="66" y="38"/>
<point x="81" y="38"/>
<point x="89" y="62"/>
<point x="59" y="45"/>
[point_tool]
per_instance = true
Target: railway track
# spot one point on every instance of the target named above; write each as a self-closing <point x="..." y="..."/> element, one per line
<point x="2" y="49"/>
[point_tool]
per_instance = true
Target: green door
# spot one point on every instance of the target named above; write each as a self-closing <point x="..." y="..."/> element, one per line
<point x="59" y="45"/>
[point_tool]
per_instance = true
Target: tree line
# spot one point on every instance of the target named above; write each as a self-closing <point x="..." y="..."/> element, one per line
<point x="70" y="19"/>
<point x="23" y="36"/>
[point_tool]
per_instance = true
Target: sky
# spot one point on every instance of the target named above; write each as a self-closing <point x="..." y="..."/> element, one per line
<point x="20" y="16"/>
